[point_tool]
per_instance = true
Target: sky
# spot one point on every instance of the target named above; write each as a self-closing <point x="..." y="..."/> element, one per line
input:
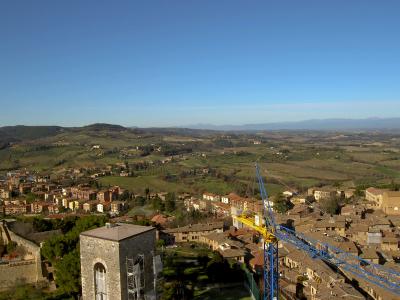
<point x="176" y="63"/>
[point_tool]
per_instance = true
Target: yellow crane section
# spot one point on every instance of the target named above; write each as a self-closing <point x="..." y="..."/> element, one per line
<point x="249" y="221"/>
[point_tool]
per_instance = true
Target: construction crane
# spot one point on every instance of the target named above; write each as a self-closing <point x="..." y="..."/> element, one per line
<point x="347" y="263"/>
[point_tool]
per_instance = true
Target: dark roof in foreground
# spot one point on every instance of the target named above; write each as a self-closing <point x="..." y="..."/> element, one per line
<point x="117" y="232"/>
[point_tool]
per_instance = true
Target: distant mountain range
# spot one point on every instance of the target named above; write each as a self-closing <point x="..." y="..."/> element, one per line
<point x="316" y="124"/>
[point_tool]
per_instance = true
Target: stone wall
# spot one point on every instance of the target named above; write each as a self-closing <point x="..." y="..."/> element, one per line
<point x="92" y="251"/>
<point x="28" y="271"/>
<point x="11" y="274"/>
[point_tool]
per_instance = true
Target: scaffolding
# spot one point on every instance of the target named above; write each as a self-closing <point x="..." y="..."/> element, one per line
<point x="157" y="269"/>
<point x="135" y="277"/>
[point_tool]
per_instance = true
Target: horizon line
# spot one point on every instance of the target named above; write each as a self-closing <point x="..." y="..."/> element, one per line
<point x="200" y="123"/>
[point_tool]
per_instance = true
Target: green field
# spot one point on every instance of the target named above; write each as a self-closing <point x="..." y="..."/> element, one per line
<point x="139" y="184"/>
<point x="388" y="171"/>
<point x="156" y="184"/>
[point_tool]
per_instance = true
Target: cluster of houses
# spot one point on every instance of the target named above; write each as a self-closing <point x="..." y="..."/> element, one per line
<point x="231" y="244"/>
<point x="383" y="199"/>
<point x="222" y="205"/>
<point x="49" y="198"/>
<point x="89" y="200"/>
<point x="377" y="199"/>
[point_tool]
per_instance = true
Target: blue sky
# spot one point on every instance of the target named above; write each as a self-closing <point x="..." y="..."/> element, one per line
<point x="166" y="63"/>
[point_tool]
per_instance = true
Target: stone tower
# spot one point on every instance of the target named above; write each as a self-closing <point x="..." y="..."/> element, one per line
<point x="117" y="262"/>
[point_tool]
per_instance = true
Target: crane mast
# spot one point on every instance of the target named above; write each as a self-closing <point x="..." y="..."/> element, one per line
<point x="271" y="258"/>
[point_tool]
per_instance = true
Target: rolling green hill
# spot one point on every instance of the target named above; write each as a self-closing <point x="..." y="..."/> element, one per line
<point x="11" y="134"/>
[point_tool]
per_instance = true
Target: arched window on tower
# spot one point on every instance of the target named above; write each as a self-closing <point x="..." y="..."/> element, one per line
<point x="100" y="282"/>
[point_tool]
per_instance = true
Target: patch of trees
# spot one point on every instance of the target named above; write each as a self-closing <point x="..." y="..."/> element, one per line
<point x="125" y="196"/>
<point x="241" y="188"/>
<point x="139" y="166"/>
<point x="282" y="204"/>
<point x="40" y="225"/>
<point x="157" y="204"/>
<point x="146" y="150"/>
<point x="204" y="171"/>
<point x="183" y="217"/>
<point x="171" y="150"/>
<point x="182" y="276"/>
<point x="169" y="205"/>
<point x="139" y="201"/>
<point x="223" y="143"/>
<point x="170" y="201"/>
<point x="39" y="148"/>
<point x="330" y="205"/>
<point x="63" y="252"/>
<point x="243" y="153"/>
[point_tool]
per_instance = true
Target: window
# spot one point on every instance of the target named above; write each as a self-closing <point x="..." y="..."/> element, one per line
<point x="100" y="282"/>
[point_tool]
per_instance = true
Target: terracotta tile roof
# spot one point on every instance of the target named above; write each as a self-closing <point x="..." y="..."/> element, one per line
<point x="375" y="191"/>
<point x="232" y="253"/>
<point x="160" y="219"/>
<point x="369" y="253"/>
<point x="257" y="260"/>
